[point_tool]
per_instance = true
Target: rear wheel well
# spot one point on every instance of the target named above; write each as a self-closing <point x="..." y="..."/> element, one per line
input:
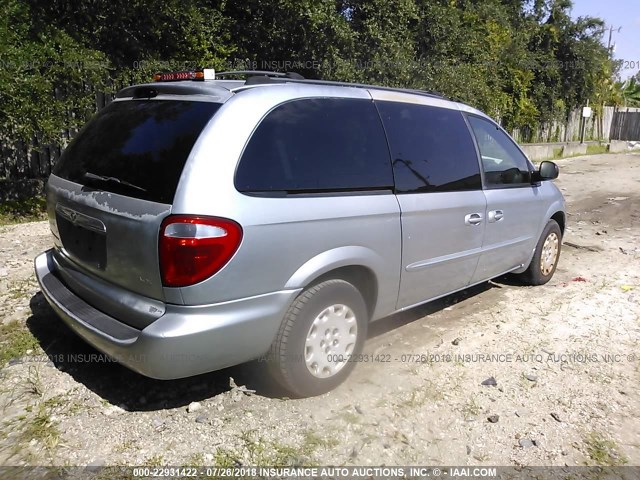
<point x="559" y="217"/>
<point x="360" y="277"/>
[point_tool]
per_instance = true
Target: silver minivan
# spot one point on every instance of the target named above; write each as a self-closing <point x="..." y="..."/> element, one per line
<point x="201" y="222"/>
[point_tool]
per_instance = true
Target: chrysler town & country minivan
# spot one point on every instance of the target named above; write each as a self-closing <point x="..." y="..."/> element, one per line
<point x="201" y="222"/>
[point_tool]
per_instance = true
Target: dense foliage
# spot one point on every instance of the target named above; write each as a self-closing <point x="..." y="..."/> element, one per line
<point x="628" y="92"/>
<point x="522" y="61"/>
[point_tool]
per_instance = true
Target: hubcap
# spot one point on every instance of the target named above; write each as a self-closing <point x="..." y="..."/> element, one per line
<point x="549" y="253"/>
<point x="330" y="341"/>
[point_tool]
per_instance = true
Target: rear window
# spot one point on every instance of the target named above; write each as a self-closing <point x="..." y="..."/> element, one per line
<point x="136" y="148"/>
<point x="317" y="145"/>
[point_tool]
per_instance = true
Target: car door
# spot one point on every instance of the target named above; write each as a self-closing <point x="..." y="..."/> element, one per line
<point x="438" y="187"/>
<point x="512" y="215"/>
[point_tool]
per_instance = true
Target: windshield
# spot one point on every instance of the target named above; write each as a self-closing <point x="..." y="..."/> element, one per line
<point x="136" y="148"/>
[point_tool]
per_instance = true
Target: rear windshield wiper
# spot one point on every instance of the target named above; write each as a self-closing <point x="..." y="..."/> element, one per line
<point x="106" y="179"/>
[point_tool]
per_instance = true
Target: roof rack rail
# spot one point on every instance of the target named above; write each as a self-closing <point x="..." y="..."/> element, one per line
<point x="288" y="75"/>
<point x="364" y="85"/>
<point x="259" y="77"/>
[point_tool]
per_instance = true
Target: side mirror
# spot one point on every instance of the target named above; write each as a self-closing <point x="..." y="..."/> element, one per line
<point x="547" y="171"/>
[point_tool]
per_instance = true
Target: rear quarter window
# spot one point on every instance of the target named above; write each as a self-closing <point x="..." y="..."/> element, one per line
<point x="136" y="148"/>
<point x="317" y="145"/>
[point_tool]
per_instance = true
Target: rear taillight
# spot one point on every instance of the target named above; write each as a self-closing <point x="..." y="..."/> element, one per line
<point x="194" y="248"/>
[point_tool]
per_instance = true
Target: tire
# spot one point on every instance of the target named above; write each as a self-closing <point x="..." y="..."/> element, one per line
<point x="548" y="246"/>
<point x="334" y="305"/>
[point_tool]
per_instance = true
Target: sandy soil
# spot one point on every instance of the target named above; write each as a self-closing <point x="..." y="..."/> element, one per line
<point x="565" y="358"/>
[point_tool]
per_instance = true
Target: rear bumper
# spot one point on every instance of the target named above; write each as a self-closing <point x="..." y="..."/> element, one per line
<point x="185" y="341"/>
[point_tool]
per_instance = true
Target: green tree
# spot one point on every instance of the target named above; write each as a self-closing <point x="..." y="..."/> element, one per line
<point x="46" y="82"/>
<point x="477" y="52"/>
<point x="384" y="34"/>
<point x="310" y="37"/>
<point x="629" y="92"/>
<point x="572" y="62"/>
<point x="525" y="62"/>
<point x="131" y="32"/>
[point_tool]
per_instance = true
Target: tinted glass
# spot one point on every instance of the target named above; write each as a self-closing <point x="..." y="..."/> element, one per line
<point x="316" y="145"/>
<point x="503" y="163"/>
<point x="136" y="148"/>
<point x="431" y="148"/>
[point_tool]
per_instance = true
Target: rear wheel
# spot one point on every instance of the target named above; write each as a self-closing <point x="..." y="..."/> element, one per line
<point x="323" y="330"/>
<point x="545" y="258"/>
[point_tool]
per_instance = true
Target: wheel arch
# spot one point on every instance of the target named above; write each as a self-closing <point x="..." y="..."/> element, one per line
<point x="555" y="212"/>
<point x="360" y="277"/>
<point x="560" y="218"/>
<point x="356" y="265"/>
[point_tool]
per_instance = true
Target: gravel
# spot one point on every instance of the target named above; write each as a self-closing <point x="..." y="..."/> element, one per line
<point x="391" y="413"/>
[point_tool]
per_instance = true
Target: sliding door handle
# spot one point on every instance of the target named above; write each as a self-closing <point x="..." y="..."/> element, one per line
<point x="473" y="219"/>
<point x="496" y="215"/>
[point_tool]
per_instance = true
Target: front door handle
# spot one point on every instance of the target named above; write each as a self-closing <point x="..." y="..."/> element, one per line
<point x="473" y="219"/>
<point x="496" y="215"/>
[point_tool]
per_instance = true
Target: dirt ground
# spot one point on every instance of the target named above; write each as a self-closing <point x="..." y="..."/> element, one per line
<point x="565" y="358"/>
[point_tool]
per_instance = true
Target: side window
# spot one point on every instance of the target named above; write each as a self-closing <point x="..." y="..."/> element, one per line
<point x="315" y="145"/>
<point x="502" y="161"/>
<point x="431" y="148"/>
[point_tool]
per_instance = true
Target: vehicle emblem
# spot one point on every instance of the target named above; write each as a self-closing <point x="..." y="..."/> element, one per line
<point x="82" y="220"/>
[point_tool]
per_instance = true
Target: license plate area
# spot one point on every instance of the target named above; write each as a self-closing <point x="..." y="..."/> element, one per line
<point x="85" y="244"/>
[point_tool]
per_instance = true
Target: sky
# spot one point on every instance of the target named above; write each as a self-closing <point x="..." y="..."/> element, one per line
<point x="616" y="14"/>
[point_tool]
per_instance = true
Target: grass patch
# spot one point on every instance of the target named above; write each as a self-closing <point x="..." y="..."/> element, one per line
<point x="525" y="383"/>
<point x="122" y="471"/>
<point x="557" y="153"/>
<point x="603" y="451"/>
<point x="472" y="408"/>
<point x="42" y="428"/>
<point x="18" y="289"/>
<point x="416" y="398"/>
<point x="350" y="417"/>
<point x="36" y="425"/>
<point x="15" y="340"/>
<point x="34" y="384"/>
<point x="225" y="457"/>
<point x="312" y="442"/>
<point x="421" y="396"/>
<point x="258" y="451"/>
<point x="196" y="460"/>
<point x="596" y="149"/>
<point x="125" y="446"/>
<point x="20" y="211"/>
<point x="154" y="461"/>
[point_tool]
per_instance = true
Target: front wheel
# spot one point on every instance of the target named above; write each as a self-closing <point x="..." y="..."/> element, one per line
<point x="322" y="332"/>
<point x="545" y="258"/>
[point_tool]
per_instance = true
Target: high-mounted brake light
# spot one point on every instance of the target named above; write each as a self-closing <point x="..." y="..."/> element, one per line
<point x="205" y="74"/>
<point x="194" y="248"/>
